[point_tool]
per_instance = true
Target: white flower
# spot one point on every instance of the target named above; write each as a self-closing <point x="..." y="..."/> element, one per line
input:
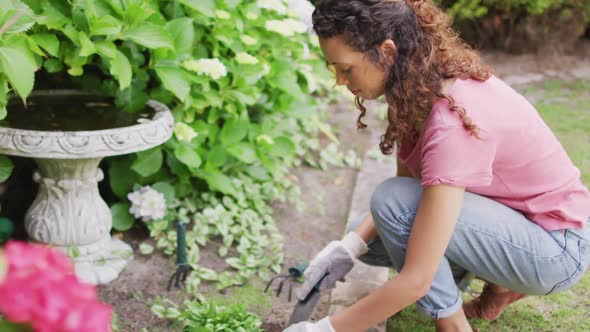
<point x="287" y="27"/>
<point x="210" y="67"/>
<point x="274" y="5"/>
<point x="222" y="15"/>
<point x="248" y="40"/>
<point x="244" y="58"/>
<point x="265" y="69"/>
<point x="307" y="71"/>
<point x="251" y="16"/>
<point x="295" y="25"/>
<point x="303" y="10"/>
<point x="184" y="132"/>
<point x="147" y="204"/>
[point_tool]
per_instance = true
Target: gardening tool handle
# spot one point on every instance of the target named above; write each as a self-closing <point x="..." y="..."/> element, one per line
<point x="180" y="243"/>
<point x="298" y="270"/>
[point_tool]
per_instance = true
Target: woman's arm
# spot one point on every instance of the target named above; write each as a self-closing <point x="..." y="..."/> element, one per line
<point x="435" y="221"/>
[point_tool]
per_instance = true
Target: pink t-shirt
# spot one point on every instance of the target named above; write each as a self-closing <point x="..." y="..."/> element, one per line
<point x="519" y="162"/>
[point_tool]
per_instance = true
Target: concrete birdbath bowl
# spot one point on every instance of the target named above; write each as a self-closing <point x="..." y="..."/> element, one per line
<point x="67" y="133"/>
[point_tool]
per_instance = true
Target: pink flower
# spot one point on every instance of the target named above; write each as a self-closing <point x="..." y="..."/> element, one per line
<point x="89" y="316"/>
<point x="30" y="258"/>
<point x="41" y="289"/>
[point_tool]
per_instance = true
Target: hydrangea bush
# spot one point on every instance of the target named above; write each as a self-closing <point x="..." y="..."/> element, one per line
<point x="40" y="292"/>
<point x="240" y="77"/>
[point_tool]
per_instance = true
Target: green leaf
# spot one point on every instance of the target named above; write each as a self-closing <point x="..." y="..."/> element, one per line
<point x="187" y="155"/>
<point x="3" y="95"/>
<point x="104" y="25"/>
<point x="243" y="98"/>
<point x="6" y="167"/>
<point x="134" y="97"/>
<point x="122" y="219"/>
<point x="219" y="182"/>
<point x="53" y="65"/>
<point x="148" y="162"/>
<point x="207" y="274"/>
<point x="183" y="33"/>
<point x="51" y="17"/>
<point x="121" y="69"/>
<point x="146" y="249"/>
<point x="166" y="189"/>
<point x="106" y="48"/>
<point x="87" y="47"/>
<point x="158" y="310"/>
<point x="150" y="36"/>
<point x="216" y="156"/>
<point x="48" y="42"/>
<point x="121" y="178"/>
<point x="25" y="21"/>
<point x="6" y="326"/>
<point x="205" y="7"/>
<point x="243" y="152"/>
<point x="117" y="6"/>
<point x="34" y="47"/>
<point x="235" y="130"/>
<point x="258" y="173"/>
<point x="175" y="80"/>
<point x="18" y="68"/>
<point x="283" y="147"/>
<point x="137" y="12"/>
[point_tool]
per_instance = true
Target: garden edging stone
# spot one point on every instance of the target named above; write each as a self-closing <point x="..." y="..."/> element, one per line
<point x="363" y="278"/>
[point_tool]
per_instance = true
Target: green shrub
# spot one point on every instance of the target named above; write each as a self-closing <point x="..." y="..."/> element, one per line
<point x="239" y="80"/>
<point x="472" y="9"/>
<point x="520" y="25"/>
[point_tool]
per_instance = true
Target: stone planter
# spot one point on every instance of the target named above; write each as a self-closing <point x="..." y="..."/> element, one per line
<point x="68" y="212"/>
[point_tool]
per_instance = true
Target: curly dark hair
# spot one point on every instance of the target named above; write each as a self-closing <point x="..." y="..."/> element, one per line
<point x="428" y="52"/>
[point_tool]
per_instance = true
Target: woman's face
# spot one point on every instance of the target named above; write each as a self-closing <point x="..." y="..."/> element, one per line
<point x="353" y="68"/>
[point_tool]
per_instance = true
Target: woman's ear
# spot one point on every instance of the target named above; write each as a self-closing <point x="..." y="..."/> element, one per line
<point x="388" y="50"/>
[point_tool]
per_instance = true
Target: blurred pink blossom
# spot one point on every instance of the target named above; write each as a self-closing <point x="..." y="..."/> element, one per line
<point x="40" y="289"/>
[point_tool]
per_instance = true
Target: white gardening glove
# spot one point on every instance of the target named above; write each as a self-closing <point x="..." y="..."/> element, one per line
<point x="323" y="325"/>
<point x="334" y="261"/>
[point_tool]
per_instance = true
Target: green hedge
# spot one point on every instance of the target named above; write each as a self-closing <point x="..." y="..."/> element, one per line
<point x="238" y="76"/>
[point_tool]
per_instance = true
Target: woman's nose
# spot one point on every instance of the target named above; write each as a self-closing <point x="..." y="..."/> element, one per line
<point x="341" y="80"/>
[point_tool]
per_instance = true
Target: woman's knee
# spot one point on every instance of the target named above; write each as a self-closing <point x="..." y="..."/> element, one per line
<point x="395" y="196"/>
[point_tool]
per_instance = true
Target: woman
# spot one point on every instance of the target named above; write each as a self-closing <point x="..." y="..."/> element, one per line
<point x="483" y="185"/>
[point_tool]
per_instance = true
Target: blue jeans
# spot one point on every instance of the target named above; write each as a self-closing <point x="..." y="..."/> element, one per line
<point x="490" y="240"/>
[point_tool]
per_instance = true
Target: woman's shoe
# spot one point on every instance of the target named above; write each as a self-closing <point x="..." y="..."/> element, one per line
<point x="490" y="303"/>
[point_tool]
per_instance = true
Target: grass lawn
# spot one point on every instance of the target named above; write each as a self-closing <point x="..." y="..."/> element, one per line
<point x="565" y="106"/>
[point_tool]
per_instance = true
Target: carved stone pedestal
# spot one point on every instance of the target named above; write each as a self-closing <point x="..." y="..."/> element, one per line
<point x="69" y="214"/>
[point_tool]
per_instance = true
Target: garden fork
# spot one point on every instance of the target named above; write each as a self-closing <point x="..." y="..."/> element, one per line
<point x="295" y="273"/>
<point x="182" y="267"/>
